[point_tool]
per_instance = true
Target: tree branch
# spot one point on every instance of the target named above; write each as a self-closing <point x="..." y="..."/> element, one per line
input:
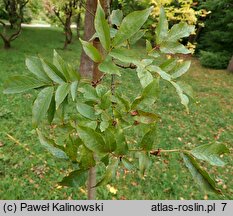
<point x="16" y="34"/>
<point x="131" y="66"/>
<point x="57" y="13"/>
<point x="159" y="151"/>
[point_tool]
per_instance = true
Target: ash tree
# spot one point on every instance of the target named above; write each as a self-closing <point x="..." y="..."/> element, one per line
<point x="95" y="120"/>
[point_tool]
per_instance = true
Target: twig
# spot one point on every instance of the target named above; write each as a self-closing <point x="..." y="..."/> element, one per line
<point x="131" y="66"/>
<point x="158" y="151"/>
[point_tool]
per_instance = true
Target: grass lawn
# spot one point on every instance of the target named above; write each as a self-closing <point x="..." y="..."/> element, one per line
<point x="28" y="172"/>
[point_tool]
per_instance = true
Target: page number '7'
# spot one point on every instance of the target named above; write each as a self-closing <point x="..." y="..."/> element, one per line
<point x="224" y="205"/>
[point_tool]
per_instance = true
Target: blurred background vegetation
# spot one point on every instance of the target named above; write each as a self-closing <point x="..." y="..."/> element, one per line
<point x="27" y="173"/>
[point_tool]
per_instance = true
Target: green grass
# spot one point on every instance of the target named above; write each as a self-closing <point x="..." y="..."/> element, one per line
<point x="28" y="172"/>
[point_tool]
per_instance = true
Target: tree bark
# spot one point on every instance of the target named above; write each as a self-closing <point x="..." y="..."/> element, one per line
<point x="86" y="64"/>
<point x="7" y="44"/>
<point x="91" y="183"/>
<point x="68" y="31"/>
<point x="90" y="69"/>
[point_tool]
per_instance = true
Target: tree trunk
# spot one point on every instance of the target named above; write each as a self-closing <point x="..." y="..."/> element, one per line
<point x="86" y="64"/>
<point x="90" y="69"/>
<point x="7" y="44"/>
<point x="230" y="65"/>
<point x="68" y="30"/>
<point x="78" y="24"/>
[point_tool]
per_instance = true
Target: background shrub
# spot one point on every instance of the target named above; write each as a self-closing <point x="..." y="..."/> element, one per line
<point x="216" y="60"/>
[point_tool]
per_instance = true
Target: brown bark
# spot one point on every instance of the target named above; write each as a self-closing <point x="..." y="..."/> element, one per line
<point x="230" y="65"/>
<point x="86" y="64"/>
<point x="68" y="30"/>
<point x="91" y="183"/>
<point x="7" y="44"/>
<point x="90" y="69"/>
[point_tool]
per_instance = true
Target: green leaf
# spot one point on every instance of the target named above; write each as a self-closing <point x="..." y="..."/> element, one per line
<point x="168" y="65"/>
<point x="51" y="110"/>
<point x="101" y="90"/>
<point x="73" y="73"/>
<point x="113" y="32"/>
<point x="116" y="17"/>
<point x="50" y="146"/>
<point x="87" y="123"/>
<point x="71" y="149"/>
<point x="18" y="84"/>
<point x="181" y="69"/>
<point x="136" y="37"/>
<point x="34" y="66"/>
<point x="149" y="139"/>
<point x="73" y="89"/>
<point x="211" y="153"/>
<point x="104" y="124"/>
<point x="110" y="173"/>
<point x="61" y="93"/>
<point x="92" y="140"/>
<point x="87" y="159"/>
<point x="187" y="89"/>
<point x="173" y="48"/>
<point x="127" y="164"/>
<point x="144" y="162"/>
<point x="52" y="72"/>
<point x="130" y="25"/>
<point x="146" y="117"/>
<point x="162" y="27"/>
<point x="122" y="147"/>
<point x="124" y="101"/>
<point x="110" y="140"/>
<point x="184" y="99"/>
<point x="105" y="160"/>
<point x="62" y="108"/>
<point x="108" y="67"/>
<point x="179" y="31"/>
<point x="41" y="105"/>
<point x="145" y="77"/>
<point x="102" y="28"/>
<point x="89" y="93"/>
<point x="91" y="51"/>
<point x="61" y="65"/>
<point x="86" y="110"/>
<point x="106" y="100"/>
<point x="76" y="178"/>
<point x="125" y="55"/>
<point x="158" y="70"/>
<point x="148" y="46"/>
<point x="199" y="174"/>
<point x="149" y="94"/>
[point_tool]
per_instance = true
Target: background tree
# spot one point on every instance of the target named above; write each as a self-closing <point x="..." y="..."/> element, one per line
<point x="14" y="13"/>
<point x="64" y="11"/>
<point x="215" y="43"/>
